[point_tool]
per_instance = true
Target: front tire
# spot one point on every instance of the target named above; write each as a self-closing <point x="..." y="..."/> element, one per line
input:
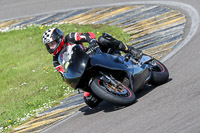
<point x="120" y="95"/>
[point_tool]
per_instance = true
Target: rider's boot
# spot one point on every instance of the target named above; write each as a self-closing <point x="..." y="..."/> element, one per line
<point x="135" y="52"/>
<point x="91" y="99"/>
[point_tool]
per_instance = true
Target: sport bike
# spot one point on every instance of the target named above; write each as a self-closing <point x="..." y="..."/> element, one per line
<point x="112" y="78"/>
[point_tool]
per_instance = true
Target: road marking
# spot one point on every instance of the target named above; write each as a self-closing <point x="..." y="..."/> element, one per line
<point x="144" y="30"/>
<point x="195" y="24"/>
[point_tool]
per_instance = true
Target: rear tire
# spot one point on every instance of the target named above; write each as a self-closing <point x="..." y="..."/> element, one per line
<point x="160" y="74"/>
<point x="120" y="95"/>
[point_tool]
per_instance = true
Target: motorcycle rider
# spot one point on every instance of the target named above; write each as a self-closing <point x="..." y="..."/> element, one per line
<point x="54" y="40"/>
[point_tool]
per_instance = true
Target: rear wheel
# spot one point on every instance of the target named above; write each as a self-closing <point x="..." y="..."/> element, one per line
<point x="160" y="74"/>
<point x="120" y="94"/>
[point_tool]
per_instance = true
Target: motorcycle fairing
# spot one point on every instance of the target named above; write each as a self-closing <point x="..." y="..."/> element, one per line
<point x="139" y="77"/>
<point x="107" y="61"/>
<point x="74" y="64"/>
<point x="134" y="71"/>
<point x="145" y="58"/>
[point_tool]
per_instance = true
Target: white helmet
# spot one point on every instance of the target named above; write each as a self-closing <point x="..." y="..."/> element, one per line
<point x="53" y="34"/>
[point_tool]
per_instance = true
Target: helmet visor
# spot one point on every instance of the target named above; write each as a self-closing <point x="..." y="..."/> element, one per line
<point x="52" y="45"/>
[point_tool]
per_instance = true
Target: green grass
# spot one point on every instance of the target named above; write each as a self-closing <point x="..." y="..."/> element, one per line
<point x="27" y="77"/>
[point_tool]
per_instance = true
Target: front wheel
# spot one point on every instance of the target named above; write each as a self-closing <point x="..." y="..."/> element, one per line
<point x="120" y="95"/>
<point x="160" y="74"/>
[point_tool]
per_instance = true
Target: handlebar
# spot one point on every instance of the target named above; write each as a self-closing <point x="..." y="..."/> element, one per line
<point x="92" y="50"/>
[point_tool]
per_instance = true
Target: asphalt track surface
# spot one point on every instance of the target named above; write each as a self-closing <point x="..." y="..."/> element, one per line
<point x="170" y="108"/>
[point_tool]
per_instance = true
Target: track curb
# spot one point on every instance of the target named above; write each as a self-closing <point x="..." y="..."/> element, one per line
<point x="163" y="49"/>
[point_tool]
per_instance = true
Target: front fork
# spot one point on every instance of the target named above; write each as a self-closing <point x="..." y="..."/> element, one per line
<point x="108" y="79"/>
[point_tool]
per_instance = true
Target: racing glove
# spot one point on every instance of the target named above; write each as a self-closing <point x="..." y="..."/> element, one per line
<point x="60" y="70"/>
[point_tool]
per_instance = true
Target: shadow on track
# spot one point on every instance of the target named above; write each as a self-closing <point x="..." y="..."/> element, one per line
<point x="103" y="106"/>
<point x="108" y="107"/>
<point x="147" y="89"/>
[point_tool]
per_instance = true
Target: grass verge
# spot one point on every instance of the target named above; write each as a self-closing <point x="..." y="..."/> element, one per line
<point x="28" y="82"/>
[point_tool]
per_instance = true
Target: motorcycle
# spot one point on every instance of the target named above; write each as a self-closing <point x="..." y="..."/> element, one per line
<point x="112" y="78"/>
